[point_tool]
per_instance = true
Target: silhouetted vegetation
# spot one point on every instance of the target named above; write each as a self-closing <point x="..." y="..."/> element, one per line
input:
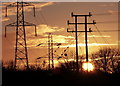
<point x="65" y="74"/>
<point x="59" y="76"/>
<point x="107" y="60"/>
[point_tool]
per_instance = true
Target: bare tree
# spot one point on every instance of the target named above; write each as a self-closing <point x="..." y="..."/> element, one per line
<point x="107" y="60"/>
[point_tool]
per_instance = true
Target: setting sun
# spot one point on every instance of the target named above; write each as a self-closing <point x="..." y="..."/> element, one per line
<point x="88" y="66"/>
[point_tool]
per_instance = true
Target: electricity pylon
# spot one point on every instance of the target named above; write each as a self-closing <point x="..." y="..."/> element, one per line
<point x="50" y="51"/>
<point x="76" y="31"/>
<point x="21" y="53"/>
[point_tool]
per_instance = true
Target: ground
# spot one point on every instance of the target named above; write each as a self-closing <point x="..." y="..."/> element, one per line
<point x="58" y="78"/>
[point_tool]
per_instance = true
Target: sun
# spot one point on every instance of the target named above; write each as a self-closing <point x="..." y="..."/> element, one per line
<point x="87" y="66"/>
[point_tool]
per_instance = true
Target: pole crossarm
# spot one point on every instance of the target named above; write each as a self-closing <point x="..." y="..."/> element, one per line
<point x="78" y="31"/>
<point x="81" y="23"/>
<point x="76" y="15"/>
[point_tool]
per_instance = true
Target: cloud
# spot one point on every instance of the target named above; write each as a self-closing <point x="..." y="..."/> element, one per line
<point x="37" y="40"/>
<point x="107" y="5"/>
<point x="12" y="10"/>
<point x="42" y="31"/>
<point x="109" y="12"/>
<point x="5" y="19"/>
<point x="38" y="6"/>
<point x="42" y="35"/>
<point x="90" y="44"/>
<point x="44" y="4"/>
<point x="97" y="36"/>
<point x="62" y="39"/>
<point x="112" y="12"/>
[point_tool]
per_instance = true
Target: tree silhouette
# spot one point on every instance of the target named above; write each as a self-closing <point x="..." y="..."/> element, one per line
<point x="107" y="60"/>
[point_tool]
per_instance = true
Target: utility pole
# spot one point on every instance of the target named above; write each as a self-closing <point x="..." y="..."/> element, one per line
<point x="50" y="51"/>
<point x="76" y="31"/>
<point x="21" y="53"/>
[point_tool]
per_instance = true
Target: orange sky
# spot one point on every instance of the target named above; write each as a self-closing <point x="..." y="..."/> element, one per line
<point x="52" y="17"/>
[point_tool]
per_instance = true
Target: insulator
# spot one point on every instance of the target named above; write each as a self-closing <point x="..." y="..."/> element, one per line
<point x="58" y="44"/>
<point x="34" y="11"/>
<point x="72" y="14"/>
<point x="65" y="54"/>
<point x="64" y="50"/>
<point x="90" y="14"/>
<point x="35" y="31"/>
<point x="5" y="31"/>
<point x="39" y="57"/>
<point x="68" y="22"/>
<point x="6" y="12"/>
<point x="59" y="57"/>
<point x="94" y="22"/>
<point x="90" y="29"/>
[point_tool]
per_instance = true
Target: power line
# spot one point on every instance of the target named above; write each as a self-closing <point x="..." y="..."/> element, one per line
<point x="94" y="38"/>
<point x="43" y="17"/>
<point x="80" y="46"/>
<point x="100" y="33"/>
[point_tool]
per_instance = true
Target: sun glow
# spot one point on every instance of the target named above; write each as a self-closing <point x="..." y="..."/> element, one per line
<point x="88" y="66"/>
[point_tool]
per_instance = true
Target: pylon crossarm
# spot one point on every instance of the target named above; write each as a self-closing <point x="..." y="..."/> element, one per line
<point x="15" y="5"/>
<point x="14" y="24"/>
<point x="12" y="5"/>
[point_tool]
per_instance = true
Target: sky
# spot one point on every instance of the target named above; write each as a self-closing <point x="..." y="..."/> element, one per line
<point x="51" y="17"/>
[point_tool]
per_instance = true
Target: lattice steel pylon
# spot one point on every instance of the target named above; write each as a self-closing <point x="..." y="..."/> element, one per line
<point x="50" y="51"/>
<point x="21" y="53"/>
